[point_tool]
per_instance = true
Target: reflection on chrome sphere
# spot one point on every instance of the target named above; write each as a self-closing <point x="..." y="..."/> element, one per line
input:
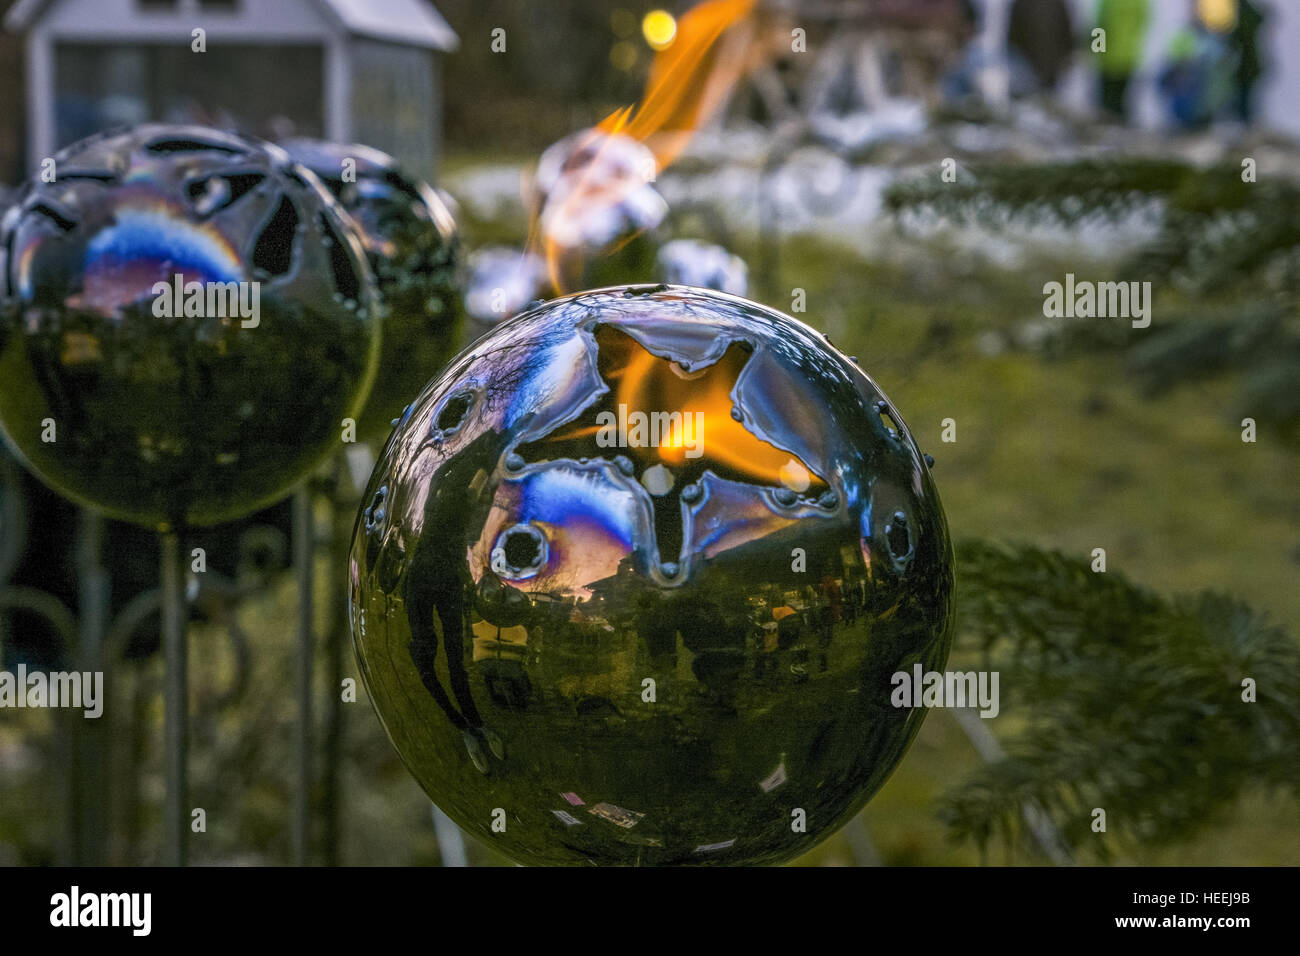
<point x="213" y="397"/>
<point x="410" y="239"/>
<point x="632" y="577"/>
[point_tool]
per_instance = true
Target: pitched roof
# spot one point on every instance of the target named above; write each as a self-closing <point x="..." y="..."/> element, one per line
<point x="409" y="22"/>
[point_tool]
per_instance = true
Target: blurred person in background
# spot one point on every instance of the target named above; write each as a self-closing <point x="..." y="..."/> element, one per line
<point x="1199" y="75"/>
<point x="1041" y="36"/>
<point x="1125" y="23"/>
<point x="1243" y="41"/>
<point x="961" y="81"/>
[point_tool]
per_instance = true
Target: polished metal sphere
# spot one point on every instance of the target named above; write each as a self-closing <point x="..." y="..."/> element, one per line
<point x="188" y="318"/>
<point x="633" y="575"/>
<point x="410" y="238"/>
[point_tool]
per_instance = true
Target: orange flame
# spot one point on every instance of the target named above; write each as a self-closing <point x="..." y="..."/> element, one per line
<point x="698" y="404"/>
<point x="715" y="46"/>
<point x="689" y="79"/>
<point x="647" y="381"/>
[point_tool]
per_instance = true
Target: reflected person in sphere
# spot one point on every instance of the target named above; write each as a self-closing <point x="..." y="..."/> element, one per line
<point x="438" y="586"/>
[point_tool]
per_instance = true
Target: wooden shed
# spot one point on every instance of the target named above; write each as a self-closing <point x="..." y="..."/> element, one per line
<point x="348" y="70"/>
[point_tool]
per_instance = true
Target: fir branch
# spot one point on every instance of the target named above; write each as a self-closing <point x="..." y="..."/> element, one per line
<point x="1218" y="235"/>
<point x="1068" y="192"/>
<point x="1195" y="344"/>
<point x="1216" y="230"/>
<point x="1129" y="702"/>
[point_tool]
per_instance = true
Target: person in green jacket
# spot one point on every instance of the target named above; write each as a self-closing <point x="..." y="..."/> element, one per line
<point x="1125" y="23"/>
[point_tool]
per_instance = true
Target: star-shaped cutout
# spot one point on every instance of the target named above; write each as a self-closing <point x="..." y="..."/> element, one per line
<point x="666" y="425"/>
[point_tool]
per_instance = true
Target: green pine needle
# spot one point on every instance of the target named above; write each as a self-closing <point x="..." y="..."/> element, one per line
<point x="1128" y="702"/>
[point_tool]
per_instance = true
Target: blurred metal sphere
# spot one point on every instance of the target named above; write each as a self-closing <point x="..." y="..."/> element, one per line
<point x="202" y="416"/>
<point x="629" y="637"/>
<point x="411" y="241"/>
<point x="702" y="264"/>
<point x="594" y="188"/>
<point x="502" y="281"/>
<point x="600" y="219"/>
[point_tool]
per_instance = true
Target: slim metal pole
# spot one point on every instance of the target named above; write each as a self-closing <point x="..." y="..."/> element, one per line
<point x="175" y="698"/>
<point x="93" y="622"/>
<point x="331" y="797"/>
<point x="1040" y="825"/>
<point x="304" y="558"/>
<point x="451" y="841"/>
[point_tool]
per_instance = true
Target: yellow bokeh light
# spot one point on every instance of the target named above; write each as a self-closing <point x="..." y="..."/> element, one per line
<point x="1217" y="15"/>
<point x="659" y="29"/>
<point x="623" y="23"/>
<point x="623" y="55"/>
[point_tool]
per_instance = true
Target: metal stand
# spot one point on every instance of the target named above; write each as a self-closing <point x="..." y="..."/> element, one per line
<point x="451" y="842"/>
<point x="1040" y="825"/>
<point x="336" y="639"/>
<point x="176" y="699"/>
<point x="304" y="559"/>
<point x="91" y="735"/>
